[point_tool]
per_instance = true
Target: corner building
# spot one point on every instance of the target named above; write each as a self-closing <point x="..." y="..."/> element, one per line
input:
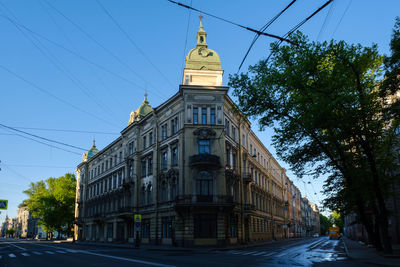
<point x="191" y="167"/>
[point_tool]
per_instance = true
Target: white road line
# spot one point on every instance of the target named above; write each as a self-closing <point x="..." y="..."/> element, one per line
<point x="16" y="246"/>
<point x="249" y="253"/>
<point x="11" y="255"/>
<point x="1" y="257"/>
<point x="60" y="251"/>
<point x="269" y="254"/>
<point x="25" y="254"/>
<point x="36" y="252"/>
<point x="257" y="254"/>
<point x="49" y="252"/>
<point x="71" y="250"/>
<point x="128" y="259"/>
<point x="235" y="252"/>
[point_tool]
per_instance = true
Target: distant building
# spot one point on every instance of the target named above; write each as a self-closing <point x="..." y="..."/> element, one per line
<point x="191" y="167"/>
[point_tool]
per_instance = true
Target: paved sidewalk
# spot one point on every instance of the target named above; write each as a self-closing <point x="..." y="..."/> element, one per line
<point x="360" y="253"/>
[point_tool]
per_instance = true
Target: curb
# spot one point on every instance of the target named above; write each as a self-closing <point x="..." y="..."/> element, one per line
<point x="346" y="249"/>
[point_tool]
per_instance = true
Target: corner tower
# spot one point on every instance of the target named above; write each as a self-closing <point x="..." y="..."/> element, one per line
<point x="203" y="66"/>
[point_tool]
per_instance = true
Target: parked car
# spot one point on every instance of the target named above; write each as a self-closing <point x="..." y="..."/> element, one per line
<point x="316" y="235"/>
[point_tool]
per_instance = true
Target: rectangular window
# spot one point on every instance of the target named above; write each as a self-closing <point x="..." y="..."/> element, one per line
<point x="145" y="228"/>
<point x="212" y="116"/>
<point x="174" y="126"/>
<point x="204" y="116"/>
<point x="204" y="146"/>
<point x="150" y="138"/>
<point x="233" y="132"/>
<point x="120" y="156"/>
<point x="150" y="166"/>
<point x="164" y="132"/>
<point x="227" y="127"/>
<point x="130" y="148"/>
<point x="164" y="160"/>
<point x="195" y="115"/>
<point x="174" y="156"/>
<point x="144" y="142"/>
<point x="102" y="167"/>
<point x="143" y="163"/>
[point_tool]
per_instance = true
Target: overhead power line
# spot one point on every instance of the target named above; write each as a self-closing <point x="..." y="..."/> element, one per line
<point x="263" y="28"/>
<point x="340" y="21"/>
<point x="46" y="144"/>
<point x="54" y="96"/>
<point x="73" y="53"/>
<point x="108" y="51"/>
<point x="233" y="23"/>
<point x="130" y="39"/>
<point x="43" y="138"/>
<point x="64" y="130"/>
<point x="295" y="28"/>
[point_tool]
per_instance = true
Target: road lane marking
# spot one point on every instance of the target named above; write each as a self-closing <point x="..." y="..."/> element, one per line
<point x="269" y="254"/>
<point x="36" y="252"/>
<point x="1" y="257"/>
<point x="25" y="254"/>
<point x="49" y="252"/>
<point x="260" y="253"/>
<point x="16" y="246"/>
<point x="235" y="252"/>
<point x="128" y="259"/>
<point x="11" y="255"/>
<point x="60" y="251"/>
<point x="249" y="253"/>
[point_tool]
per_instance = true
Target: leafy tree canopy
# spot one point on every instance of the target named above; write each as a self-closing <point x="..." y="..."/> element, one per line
<point x="52" y="202"/>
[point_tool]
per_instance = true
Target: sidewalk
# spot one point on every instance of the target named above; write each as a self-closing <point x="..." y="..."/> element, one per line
<point x="361" y="253"/>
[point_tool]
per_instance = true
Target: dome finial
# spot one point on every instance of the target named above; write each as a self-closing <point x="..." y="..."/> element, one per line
<point x="94" y="143"/>
<point x="201" y="22"/>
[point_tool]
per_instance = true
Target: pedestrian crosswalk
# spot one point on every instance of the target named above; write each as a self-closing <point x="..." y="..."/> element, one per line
<point x="252" y="253"/>
<point x="33" y="253"/>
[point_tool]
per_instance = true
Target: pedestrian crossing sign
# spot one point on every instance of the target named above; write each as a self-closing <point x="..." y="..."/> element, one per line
<point x="138" y="218"/>
<point x="3" y="204"/>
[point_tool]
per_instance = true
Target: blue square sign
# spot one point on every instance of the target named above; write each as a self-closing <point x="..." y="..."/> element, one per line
<point x="3" y="204"/>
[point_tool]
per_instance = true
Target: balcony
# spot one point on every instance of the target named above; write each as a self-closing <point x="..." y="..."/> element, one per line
<point x="247" y="178"/>
<point x="209" y="201"/>
<point x="204" y="160"/>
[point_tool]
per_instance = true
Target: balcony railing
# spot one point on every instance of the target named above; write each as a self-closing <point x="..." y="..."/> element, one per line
<point x="247" y="178"/>
<point x="204" y="160"/>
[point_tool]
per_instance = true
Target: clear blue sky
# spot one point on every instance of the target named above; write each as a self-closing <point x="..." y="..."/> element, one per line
<point x="54" y="76"/>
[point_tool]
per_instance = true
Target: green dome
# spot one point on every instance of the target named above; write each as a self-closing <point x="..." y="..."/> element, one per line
<point x="91" y="152"/>
<point x="201" y="57"/>
<point x="141" y="112"/>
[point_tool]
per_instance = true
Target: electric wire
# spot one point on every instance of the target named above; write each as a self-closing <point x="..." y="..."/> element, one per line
<point x="233" y="23"/>
<point x="73" y="53"/>
<point x="186" y="38"/>
<point x="65" y="130"/>
<point x="49" y="145"/>
<point x="17" y="173"/>
<point x="295" y="28"/>
<point x="262" y="29"/>
<point x="108" y="51"/>
<point x="55" y="62"/>
<point x="43" y="138"/>
<point x="340" y="21"/>
<point x="54" y="96"/>
<point x="324" y="25"/>
<point x="130" y="39"/>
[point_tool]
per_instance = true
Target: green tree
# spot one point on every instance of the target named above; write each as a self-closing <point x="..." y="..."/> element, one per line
<point x="52" y="201"/>
<point x="325" y="223"/>
<point x="337" y="220"/>
<point x="326" y="107"/>
<point x="11" y="231"/>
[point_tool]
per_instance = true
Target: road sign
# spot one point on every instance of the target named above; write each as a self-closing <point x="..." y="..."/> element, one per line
<point x="3" y="204"/>
<point x="137" y="224"/>
<point x="138" y="218"/>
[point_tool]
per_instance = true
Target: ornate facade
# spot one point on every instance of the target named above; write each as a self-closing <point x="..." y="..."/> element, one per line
<point x="191" y="167"/>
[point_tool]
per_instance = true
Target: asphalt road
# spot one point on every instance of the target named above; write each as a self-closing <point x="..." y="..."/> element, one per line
<point x="300" y="252"/>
